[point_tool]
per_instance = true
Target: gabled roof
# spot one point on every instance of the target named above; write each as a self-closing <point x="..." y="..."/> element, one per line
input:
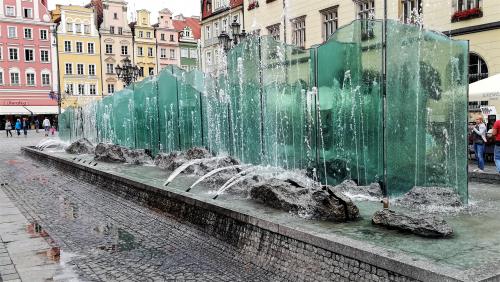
<point x="165" y="11"/>
<point x="193" y="23"/>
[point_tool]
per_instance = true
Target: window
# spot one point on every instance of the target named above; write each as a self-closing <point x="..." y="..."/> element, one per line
<point x="109" y="49"/>
<point x="67" y="46"/>
<point x="44" y="56"/>
<point x="209" y="58"/>
<point x="1" y="53"/>
<point x="163" y="53"/>
<point x="45" y="79"/>
<point x="86" y="29"/>
<point x="162" y="37"/>
<point x="69" y="69"/>
<point x="148" y="34"/>
<point x="112" y="30"/>
<point x="30" y="79"/>
<point x="69" y="88"/>
<point x="184" y="53"/>
<point x="1" y="77"/>
<point x="90" y="48"/>
<point x="172" y="38"/>
<point x="274" y="31"/>
<point x="12" y="30"/>
<point x="329" y="22"/>
<point x="366" y="12"/>
<point x="69" y="27"/>
<point x="28" y="33"/>
<point x="124" y="50"/>
<point x="299" y="31"/>
<point x="79" y="69"/>
<point x="14" y="78"/>
<point x="464" y="5"/>
<point x="216" y="29"/>
<point x="151" y="71"/>
<point x="28" y="55"/>
<point x="141" y="34"/>
<point x="150" y="52"/>
<point x="110" y="68"/>
<point x="477" y="68"/>
<point x="27" y="13"/>
<point x="207" y="32"/>
<point x="172" y="53"/>
<point x="78" y="28"/>
<point x="10" y="11"/>
<point x="111" y="88"/>
<point x="140" y="51"/>
<point x="92" y="70"/>
<point x="411" y="10"/>
<point x="81" y="89"/>
<point x="115" y="16"/>
<point x="13" y="54"/>
<point x="79" y="47"/>
<point x="120" y="30"/>
<point x="92" y="89"/>
<point x="193" y="53"/>
<point x="142" y="71"/>
<point x="43" y="34"/>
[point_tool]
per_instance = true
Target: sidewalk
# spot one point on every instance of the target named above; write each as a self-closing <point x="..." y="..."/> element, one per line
<point x="490" y="174"/>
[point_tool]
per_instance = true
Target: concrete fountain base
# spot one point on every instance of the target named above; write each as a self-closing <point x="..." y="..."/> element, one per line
<point x="306" y="255"/>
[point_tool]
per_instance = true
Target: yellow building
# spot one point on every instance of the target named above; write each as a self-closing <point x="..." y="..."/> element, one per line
<point x="144" y="44"/>
<point x="78" y="48"/>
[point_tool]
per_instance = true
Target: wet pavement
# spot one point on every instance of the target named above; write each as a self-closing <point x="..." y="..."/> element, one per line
<point x="55" y="227"/>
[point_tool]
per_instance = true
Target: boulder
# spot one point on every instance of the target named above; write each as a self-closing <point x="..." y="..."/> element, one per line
<point x="117" y="154"/>
<point x="289" y="195"/>
<point x="424" y="225"/>
<point x="169" y="161"/>
<point x="425" y="197"/>
<point x="197" y="153"/>
<point x="80" y="146"/>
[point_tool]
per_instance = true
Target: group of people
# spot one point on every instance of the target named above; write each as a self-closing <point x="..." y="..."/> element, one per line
<point x="24" y="124"/>
<point x="480" y="138"/>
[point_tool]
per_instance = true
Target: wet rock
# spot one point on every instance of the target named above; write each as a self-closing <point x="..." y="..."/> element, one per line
<point x="425" y="197"/>
<point x="169" y="161"/>
<point x="420" y="224"/>
<point x="117" y="154"/>
<point x="350" y="188"/>
<point x="289" y="195"/>
<point x="80" y="146"/>
<point x="197" y="153"/>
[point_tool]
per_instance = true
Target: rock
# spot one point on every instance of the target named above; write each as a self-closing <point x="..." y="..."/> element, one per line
<point x="425" y="197"/>
<point x="289" y="195"/>
<point x="352" y="189"/>
<point x="80" y="146"/>
<point x="420" y="224"/>
<point x="117" y="154"/>
<point x="197" y="153"/>
<point x="169" y="161"/>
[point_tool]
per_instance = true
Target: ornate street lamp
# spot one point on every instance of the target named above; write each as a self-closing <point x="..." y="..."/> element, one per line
<point x="128" y="73"/>
<point x="227" y="42"/>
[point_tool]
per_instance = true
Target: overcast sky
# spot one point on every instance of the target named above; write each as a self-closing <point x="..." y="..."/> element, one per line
<point x="185" y="7"/>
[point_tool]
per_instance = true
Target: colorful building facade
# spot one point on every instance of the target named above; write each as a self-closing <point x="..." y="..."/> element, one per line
<point x="27" y="61"/>
<point x="116" y="43"/>
<point x="144" y="44"/>
<point x="189" y="30"/>
<point x="79" y="52"/>
<point x="167" y="41"/>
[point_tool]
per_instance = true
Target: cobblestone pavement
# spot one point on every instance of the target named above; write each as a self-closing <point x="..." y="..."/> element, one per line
<point x="97" y="236"/>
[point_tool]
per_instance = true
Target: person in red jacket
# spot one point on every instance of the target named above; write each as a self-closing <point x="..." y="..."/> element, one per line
<point x="496" y="135"/>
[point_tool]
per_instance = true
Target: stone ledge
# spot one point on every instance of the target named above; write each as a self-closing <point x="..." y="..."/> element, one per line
<point x="209" y="214"/>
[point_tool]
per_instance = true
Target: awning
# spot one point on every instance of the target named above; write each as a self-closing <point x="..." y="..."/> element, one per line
<point x="28" y="110"/>
<point x="485" y="89"/>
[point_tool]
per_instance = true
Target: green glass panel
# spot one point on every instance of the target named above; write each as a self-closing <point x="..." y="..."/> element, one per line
<point x="124" y="119"/>
<point x="168" y="112"/>
<point x="146" y="115"/>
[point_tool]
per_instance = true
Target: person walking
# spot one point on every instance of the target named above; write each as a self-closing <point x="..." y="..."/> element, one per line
<point x="479" y="141"/>
<point x="26" y="125"/>
<point x="8" y="128"/>
<point x="496" y="135"/>
<point x="18" y="127"/>
<point x="46" y="126"/>
<point x="37" y="125"/>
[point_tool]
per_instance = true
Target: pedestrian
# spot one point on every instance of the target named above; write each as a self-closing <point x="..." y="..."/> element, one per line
<point x="496" y="136"/>
<point x="37" y="125"/>
<point x="26" y="125"/>
<point x="52" y="130"/>
<point x="479" y="141"/>
<point x="18" y="127"/>
<point x="8" y="128"/>
<point x="46" y="126"/>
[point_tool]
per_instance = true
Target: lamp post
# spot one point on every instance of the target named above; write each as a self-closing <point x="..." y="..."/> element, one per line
<point x="58" y="96"/>
<point x="128" y="73"/>
<point x="226" y="41"/>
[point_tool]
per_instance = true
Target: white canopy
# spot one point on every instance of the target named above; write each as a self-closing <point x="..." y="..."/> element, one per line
<point x="486" y="89"/>
<point x="27" y="110"/>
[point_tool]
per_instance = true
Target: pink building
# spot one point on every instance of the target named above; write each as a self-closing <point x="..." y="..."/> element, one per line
<point x="167" y="40"/>
<point x="28" y="64"/>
